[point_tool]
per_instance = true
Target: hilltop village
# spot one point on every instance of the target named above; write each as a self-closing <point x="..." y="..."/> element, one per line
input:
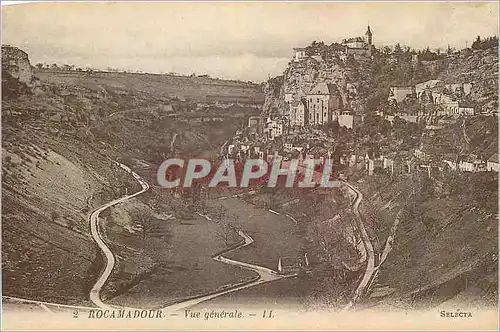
<point x="330" y="100"/>
<point x="413" y="139"/>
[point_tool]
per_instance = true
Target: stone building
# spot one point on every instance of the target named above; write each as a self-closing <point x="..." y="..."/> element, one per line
<point x="492" y="163"/>
<point x="399" y="93"/>
<point x="323" y="103"/>
<point x="274" y="128"/>
<point x="348" y="119"/>
<point x="359" y="45"/>
<point x="253" y="120"/>
<point x="293" y="265"/>
<point x="466" y="109"/>
<point x="299" y="53"/>
<point x="298" y="113"/>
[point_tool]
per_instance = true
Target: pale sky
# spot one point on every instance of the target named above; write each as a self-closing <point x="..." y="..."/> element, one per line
<point x="246" y="41"/>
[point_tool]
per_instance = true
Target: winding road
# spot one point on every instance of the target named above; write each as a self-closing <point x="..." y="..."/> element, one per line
<point x="94" y="229"/>
<point x="110" y="258"/>
<point x="370" y="266"/>
<point x="265" y="275"/>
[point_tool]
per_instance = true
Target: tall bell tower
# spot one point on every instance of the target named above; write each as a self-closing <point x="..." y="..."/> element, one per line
<point x="368" y="36"/>
<point x="368" y="40"/>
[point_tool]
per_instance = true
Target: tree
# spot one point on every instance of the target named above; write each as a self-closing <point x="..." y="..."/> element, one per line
<point x="397" y="49"/>
<point x="224" y="219"/>
<point x="333" y="127"/>
<point x="386" y="50"/>
<point x="144" y="219"/>
<point x="224" y="232"/>
<point x="482" y="44"/>
<point x="39" y="65"/>
<point x="428" y="55"/>
<point x="332" y="245"/>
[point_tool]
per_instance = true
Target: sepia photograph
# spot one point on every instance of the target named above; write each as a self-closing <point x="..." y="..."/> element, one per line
<point x="234" y="165"/>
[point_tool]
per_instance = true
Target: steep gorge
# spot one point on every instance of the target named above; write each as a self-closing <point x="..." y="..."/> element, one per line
<point x="62" y="130"/>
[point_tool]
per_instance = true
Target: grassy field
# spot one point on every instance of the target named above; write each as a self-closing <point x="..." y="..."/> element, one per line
<point x="173" y="259"/>
<point x="274" y="235"/>
<point x="285" y="294"/>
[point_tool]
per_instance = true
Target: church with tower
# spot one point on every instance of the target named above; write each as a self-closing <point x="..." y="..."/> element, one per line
<point x="359" y="45"/>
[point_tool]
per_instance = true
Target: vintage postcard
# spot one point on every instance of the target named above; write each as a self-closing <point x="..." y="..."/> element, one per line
<point x="249" y="165"/>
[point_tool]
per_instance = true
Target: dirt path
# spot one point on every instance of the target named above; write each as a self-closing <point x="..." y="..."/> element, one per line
<point x="467" y="139"/>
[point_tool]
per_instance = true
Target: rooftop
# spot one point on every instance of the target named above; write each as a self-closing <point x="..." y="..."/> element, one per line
<point x="354" y="39"/>
<point x="296" y="102"/>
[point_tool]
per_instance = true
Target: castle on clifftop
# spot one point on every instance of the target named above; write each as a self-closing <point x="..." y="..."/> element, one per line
<point x="359" y="45"/>
<point x="355" y="46"/>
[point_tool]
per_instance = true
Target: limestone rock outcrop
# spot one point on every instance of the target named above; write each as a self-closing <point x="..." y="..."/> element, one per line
<point x="352" y="78"/>
<point x="16" y="63"/>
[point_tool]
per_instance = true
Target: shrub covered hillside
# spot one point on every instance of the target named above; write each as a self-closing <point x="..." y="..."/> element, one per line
<point x="432" y="221"/>
<point x="62" y="132"/>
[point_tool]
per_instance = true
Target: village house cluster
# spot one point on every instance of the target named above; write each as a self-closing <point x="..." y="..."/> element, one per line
<point x="316" y="145"/>
<point x="322" y="103"/>
<point x="295" y="133"/>
<point x="406" y="162"/>
<point x="455" y="162"/>
<point x="251" y="144"/>
<point x="453" y="99"/>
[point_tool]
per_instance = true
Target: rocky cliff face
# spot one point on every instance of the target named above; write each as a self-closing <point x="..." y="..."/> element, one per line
<point x="352" y="77"/>
<point x="17" y="74"/>
<point x="274" y="99"/>
<point x="479" y="67"/>
<point x="16" y="63"/>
